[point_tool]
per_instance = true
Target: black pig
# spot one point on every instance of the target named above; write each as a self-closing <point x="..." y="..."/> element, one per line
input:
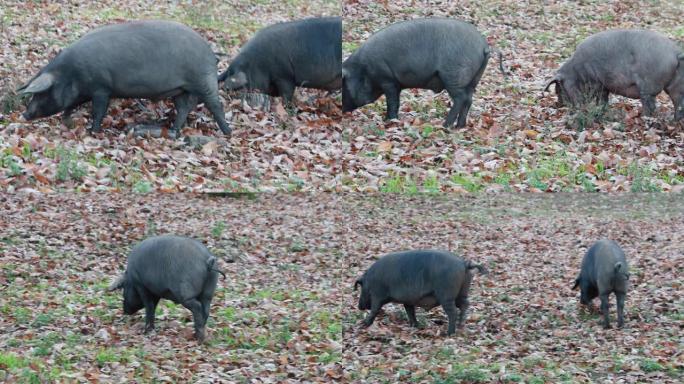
<point x="141" y="59"/>
<point x="604" y="270"/>
<point x="432" y="53"/>
<point x="638" y="64"/>
<point x="303" y="53"/>
<point x="171" y="267"/>
<point x="419" y="278"/>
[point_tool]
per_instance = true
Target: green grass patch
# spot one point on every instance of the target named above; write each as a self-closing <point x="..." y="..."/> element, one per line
<point x="349" y="46"/>
<point x="650" y="365"/>
<point x="400" y="185"/>
<point x="228" y="313"/>
<point x="108" y="355"/>
<point x="431" y="183"/>
<point x="11" y="361"/>
<point x="10" y="163"/>
<point x="465" y="373"/>
<point x="471" y="183"/>
<point x="218" y="228"/>
<point x="41" y="320"/>
<point x="69" y="167"/>
<point x="642" y="178"/>
<point x="142" y="187"/>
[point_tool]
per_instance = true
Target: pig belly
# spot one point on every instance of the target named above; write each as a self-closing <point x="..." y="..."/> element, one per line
<point x="427" y="302"/>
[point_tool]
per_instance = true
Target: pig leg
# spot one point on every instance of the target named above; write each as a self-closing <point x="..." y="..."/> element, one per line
<point x="604" y="310"/>
<point x="450" y="309"/>
<point x="604" y="97"/>
<point x="648" y="104"/>
<point x="462" y="303"/>
<point x="391" y="92"/>
<point x="463" y="113"/>
<point x="647" y="94"/>
<point x="206" y="304"/>
<point x="458" y="97"/>
<point x="184" y="103"/>
<point x="198" y="317"/>
<point x="150" y="301"/>
<point x="100" y="104"/>
<point x="620" y="309"/>
<point x="66" y="118"/>
<point x="286" y="91"/>
<point x="375" y="308"/>
<point x="411" y="313"/>
<point x="209" y="96"/>
<point x="216" y="109"/>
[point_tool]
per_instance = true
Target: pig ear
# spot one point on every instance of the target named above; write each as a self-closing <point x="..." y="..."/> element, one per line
<point x="117" y="284"/>
<point x="39" y="84"/>
<point x="618" y="266"/>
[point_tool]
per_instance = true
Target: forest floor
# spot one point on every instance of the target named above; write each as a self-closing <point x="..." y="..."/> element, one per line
<point x="516" y="139"/>
<point x="287" y="310"/>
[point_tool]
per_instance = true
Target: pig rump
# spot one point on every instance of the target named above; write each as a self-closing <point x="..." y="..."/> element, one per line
<point x="604" y="270"/>
<point x="169" y="267"/>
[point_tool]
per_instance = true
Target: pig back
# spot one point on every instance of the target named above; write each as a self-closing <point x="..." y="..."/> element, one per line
<point x="141" y="59"/>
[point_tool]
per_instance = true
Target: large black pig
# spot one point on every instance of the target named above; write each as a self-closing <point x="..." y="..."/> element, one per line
<point x="303" y="53"/>
<point x="604" y="271"/>
<point x="142" y="59"/>
<point x="418" y="278"/>
<point x="170" y="267"/>
<point x="432" y="53"/>
<point x="634" y="63"/>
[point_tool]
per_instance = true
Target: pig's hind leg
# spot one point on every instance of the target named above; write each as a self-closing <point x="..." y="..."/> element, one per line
<point x="449" y="306"/>
<point x="197" y="316"/>
<point x="459" y="97"/>
<point x="411" y="313"/>
<point x="184" y="103"/>
<point x="647" y="95"/>
<point x="208" y="94"/>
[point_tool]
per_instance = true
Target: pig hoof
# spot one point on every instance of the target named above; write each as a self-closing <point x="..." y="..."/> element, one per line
<point x="200" y="336"/>
<point x="148" y="330"/>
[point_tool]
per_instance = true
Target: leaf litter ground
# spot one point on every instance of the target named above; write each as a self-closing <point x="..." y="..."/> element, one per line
<point x="287" y="311"/>
<point x="516" y="138"/>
